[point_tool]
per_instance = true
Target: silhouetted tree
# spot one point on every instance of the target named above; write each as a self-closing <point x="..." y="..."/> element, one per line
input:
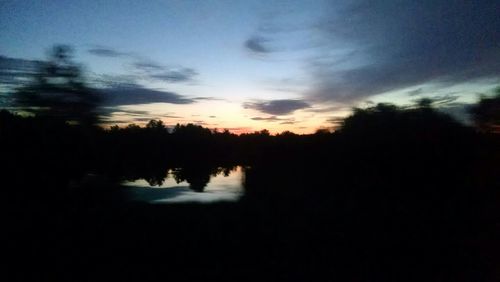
<point x="486" y="113"/>
<point x="197" y="176"/>
<point x="156" y="125"/>
<point x="58" y="91"/>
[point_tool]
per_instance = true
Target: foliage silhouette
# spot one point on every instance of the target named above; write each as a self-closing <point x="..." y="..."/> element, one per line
<point x="486" y="113"/>
<point x="58" y="90"/>
<point x="394" y="192"/>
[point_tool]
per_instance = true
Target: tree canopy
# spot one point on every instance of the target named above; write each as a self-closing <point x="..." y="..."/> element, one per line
<point x="486" y="113"/>
<point x="58" y="91"/>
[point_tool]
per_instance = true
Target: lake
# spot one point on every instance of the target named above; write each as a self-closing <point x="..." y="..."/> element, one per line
<point x="188" y="185"/>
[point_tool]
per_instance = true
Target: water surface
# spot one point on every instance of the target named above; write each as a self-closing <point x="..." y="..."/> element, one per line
<point x="189" y="185"/>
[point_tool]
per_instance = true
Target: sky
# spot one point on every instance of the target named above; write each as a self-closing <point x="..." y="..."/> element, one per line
<point x="249" y="65"/>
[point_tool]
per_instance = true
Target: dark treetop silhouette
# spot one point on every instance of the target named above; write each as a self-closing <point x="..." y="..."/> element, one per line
<point x="401" y="194"/>
<point x="58" y="90"/>
<point x="486" y="113"/>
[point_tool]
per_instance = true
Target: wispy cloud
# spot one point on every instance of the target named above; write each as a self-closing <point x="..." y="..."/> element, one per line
<point x="15" y="71"/>
<point x="257" y="44"/>
<point x="111" y="115"/>
<point x="329" y="109"/>
<point x="335" y="120"/>
<point x="277" y="107"/>
<point x="415" y="92"/>
<point x="272" y="119"/>
<point x="106" y="52"/>
<point x="156" y="71"/>
<point x="403" y="44"/>
<point x="208" y="98"/>
<point x="136" y="94"/>
<point x="442" y="100"/>
<point x="365" y="48"/>
<point x="148" y="69"/>
<point x="175" y="75"/>
<point x="147" y="66"/>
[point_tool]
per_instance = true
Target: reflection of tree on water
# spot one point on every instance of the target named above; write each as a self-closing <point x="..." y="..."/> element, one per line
<point x="198" y="176"/>
<point x="156" y="177"/>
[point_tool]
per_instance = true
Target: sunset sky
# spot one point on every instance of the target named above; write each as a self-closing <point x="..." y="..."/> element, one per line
<point x="249" y="65"/>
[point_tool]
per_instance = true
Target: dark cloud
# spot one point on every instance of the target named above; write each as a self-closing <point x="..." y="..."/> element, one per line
<point x="116" y="122"/>
<point x="441" y="100"/>
<point x="329" y="109"/>
<point x="118" y="115"/>
<point x="136" y="94"/>
<point x="142" y="119"/>
<point x="155" y="117"/>
<point x="148" y="66"/>
<point x="277" y="107"/>
<point x="271" y="118"/>
<point x="114" y="81"/>
<point x="335" y="120"/>
<point x="397" y="44"/>
<point x="415" y="92"/>
<point x="108" y="111"/>
<point x="116" y="90"/>
<point x="275" y="119"/>
<point x="256" y="44"/>
<point x="14" y="72"/>
<point x="171" y="116"/>
<point x="106" y="52"/>
<point x="363" y="48"/>
<point x="155" y="71"/>
<point x="180" y="75"/>
<point x="208" y="99"/>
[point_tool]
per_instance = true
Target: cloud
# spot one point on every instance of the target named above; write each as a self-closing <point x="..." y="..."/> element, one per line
<point x="114" y="81"/>
<point x="208" y="99"/>
<point x="146" y="68"/>
<point x="362" y="48"/>
<point x="115" y="90"/>
<point x="108" y="112"/>
<point x="277" y="107"/>
<point x="329" y="109"/>
<point x="106" y="52"/>
<point x="136" y="94"/>
<point x="14" y="71"/>
<point x="271" y="118"/>
<point x="442" y="100"/>
<point x="336" y="120"/>
<point x="118" y="115"/>
<point x="400" y="44"/>
<point x="415" y="92"/>
<point x="180" y="75"/>
<point x="155" y="71"/>
<point x="256" y="44"/>
<point x="142" y="119"/>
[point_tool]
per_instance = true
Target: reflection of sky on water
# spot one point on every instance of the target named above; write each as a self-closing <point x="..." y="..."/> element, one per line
<point x="220" y="188"/>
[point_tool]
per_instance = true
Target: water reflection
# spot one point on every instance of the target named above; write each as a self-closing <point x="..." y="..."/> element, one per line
<point x="187" y="184"/>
